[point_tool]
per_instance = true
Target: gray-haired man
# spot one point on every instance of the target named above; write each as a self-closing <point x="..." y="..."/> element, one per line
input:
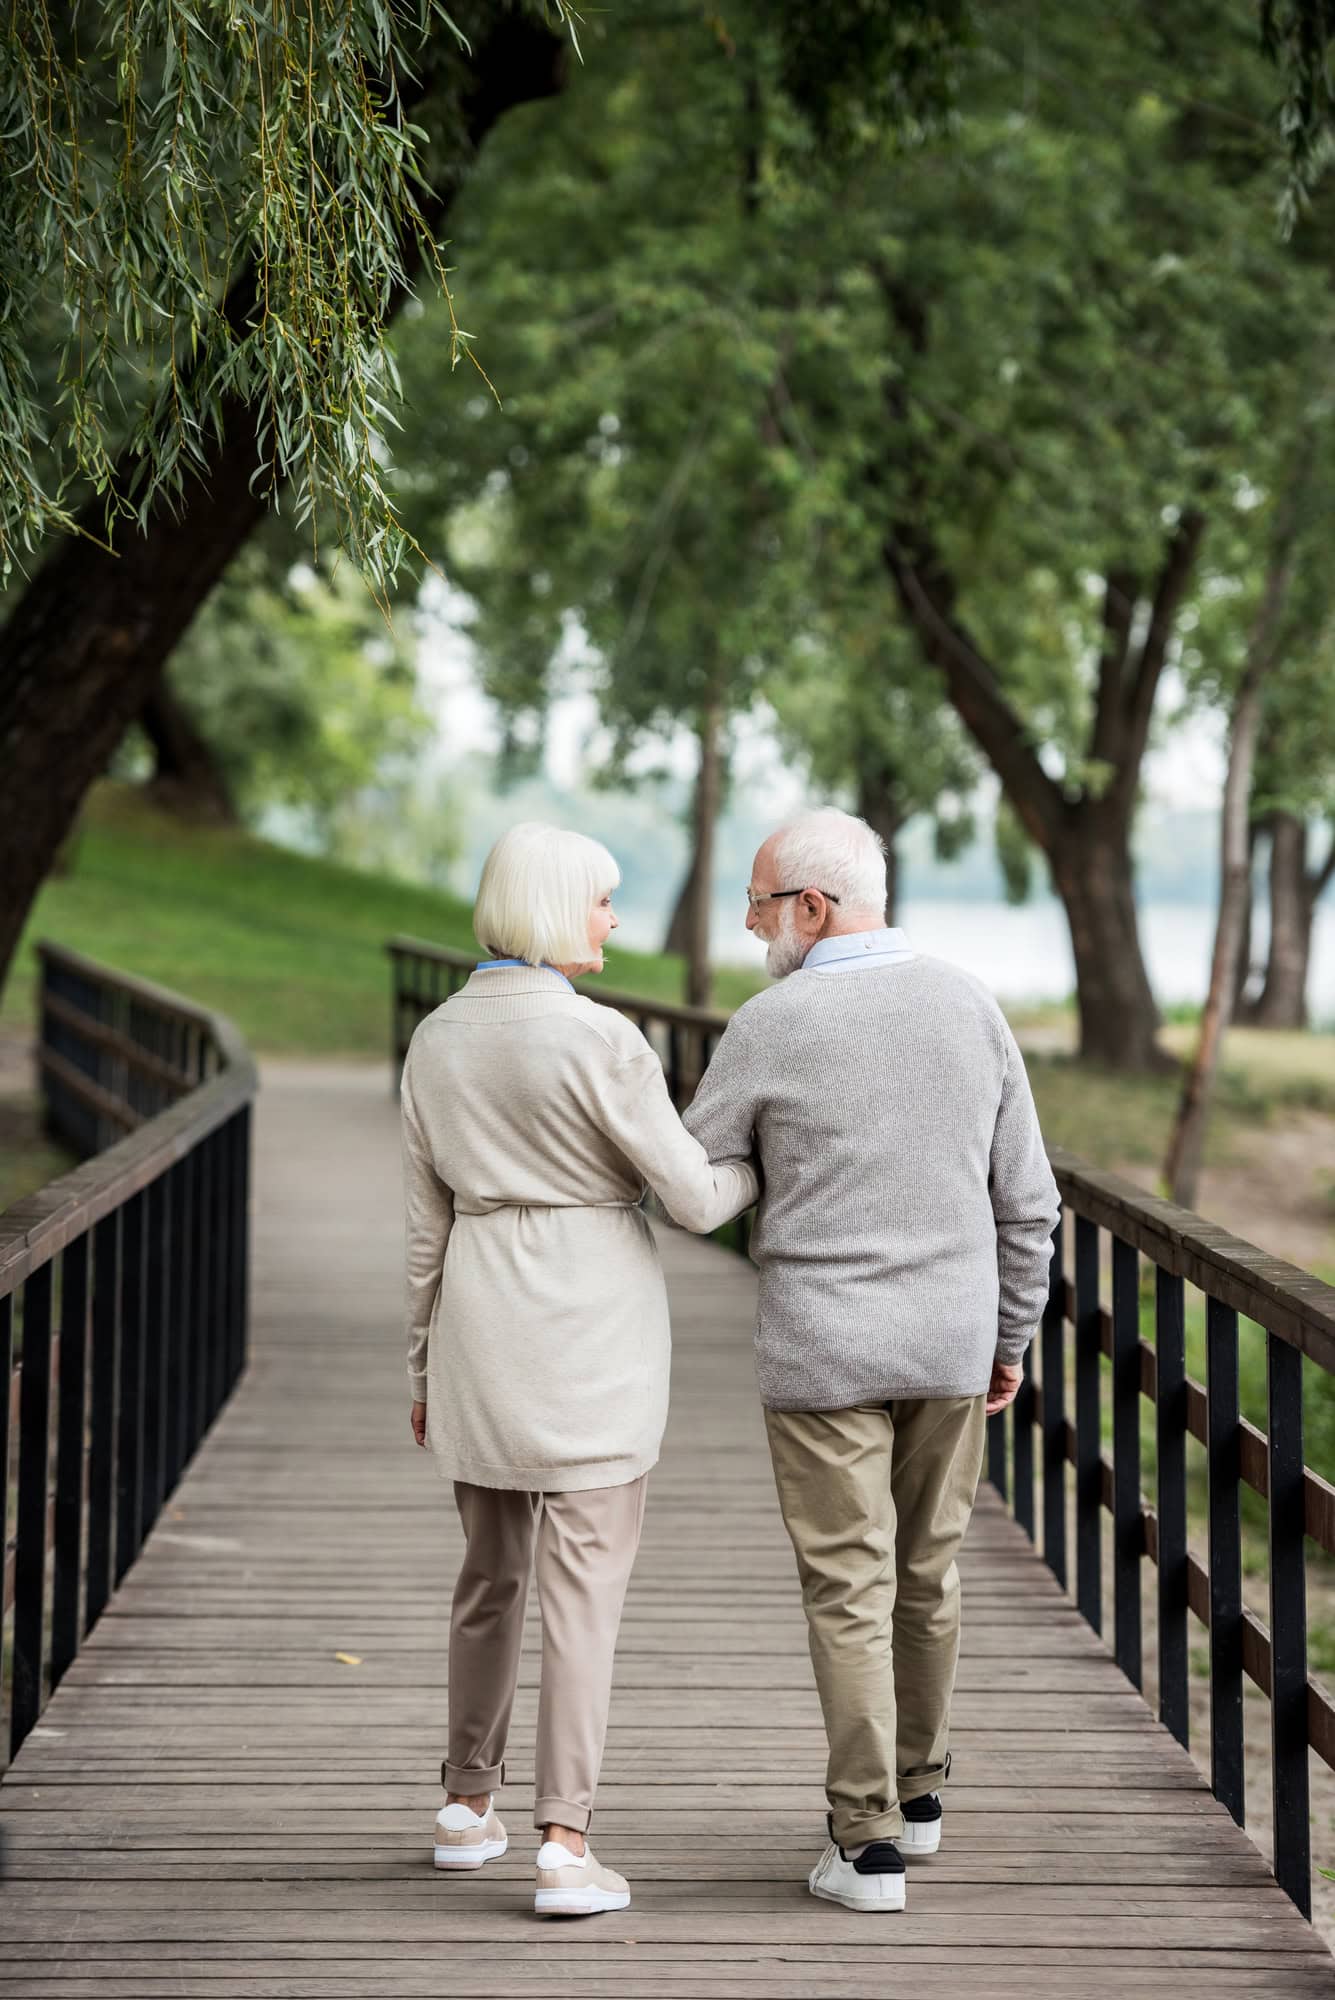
<point x="902" y="1241"/>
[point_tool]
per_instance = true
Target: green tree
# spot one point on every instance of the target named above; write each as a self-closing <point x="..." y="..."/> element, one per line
<point x="1085" y="323"/>
<point x="225" y="207"/>
<point x="638" y="481"/>
<point x="858" y="710"/>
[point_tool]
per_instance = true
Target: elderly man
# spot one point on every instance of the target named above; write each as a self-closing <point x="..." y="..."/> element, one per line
<point x="903" y="1242"/>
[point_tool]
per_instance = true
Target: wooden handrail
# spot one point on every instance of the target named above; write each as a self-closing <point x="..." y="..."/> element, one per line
<point x="36" y="1228"/>
<point x="713" y="1019"/>
<point x="1281" y="1297"/>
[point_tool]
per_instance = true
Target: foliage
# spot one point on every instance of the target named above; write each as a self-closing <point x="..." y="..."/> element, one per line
<point x="702" y="457"/>
<point x="206" y="206"/>
<point x="305" y="693"/>
<point x="1299" y="36"/>
<point x="854" y="704"/>
<point x="636" y="489"/>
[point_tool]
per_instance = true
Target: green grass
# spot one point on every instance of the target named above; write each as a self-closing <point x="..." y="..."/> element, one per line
<point x="1109" y="1118"/>
<point x="290" y="947"/>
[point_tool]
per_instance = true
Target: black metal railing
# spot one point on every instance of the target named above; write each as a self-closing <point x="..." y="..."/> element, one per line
<point x="1031" y="1447"/>
<point x="123" y="1290"/>
<point x="425" y="974"/>
<point x="1040" y="1456"/>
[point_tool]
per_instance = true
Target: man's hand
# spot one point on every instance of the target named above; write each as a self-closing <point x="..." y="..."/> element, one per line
<point x="418" y="1421"/>
<point x="1001" y="1389"/>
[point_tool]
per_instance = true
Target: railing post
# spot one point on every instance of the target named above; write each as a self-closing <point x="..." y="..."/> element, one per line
<point x="1023" y="1445"/>
<point x="34" y="1471"/>
<point x="1054" y="1414"/>
<point x="1288" y="1623"/>
<point x="69" y="1456"/>
<point x="130" y="1414"/>
<point x="1127" y="1535"/>
<point x="7" y="1382"/>
<point x="176" y="1405"/>
<point x="156" y="1311"/>
<point x="1171" y="1450"/>
<point x="1088" y="1470"/>
<point x="996" y="1452"/>
<point x="101" y="1415"/>
<point x="1226" y="1759"/>
<point x="202" y="1272"/>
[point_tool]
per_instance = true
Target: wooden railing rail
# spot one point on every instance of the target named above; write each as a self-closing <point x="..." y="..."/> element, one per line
<point x="123" y="1290"/>
<point x="1297" y="1313"/>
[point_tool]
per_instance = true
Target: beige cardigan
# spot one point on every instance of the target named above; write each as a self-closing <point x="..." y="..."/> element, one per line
<point x="537" y="1315"/>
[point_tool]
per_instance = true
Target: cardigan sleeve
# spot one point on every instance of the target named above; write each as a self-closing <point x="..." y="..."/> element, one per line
<point x="428" y="1218"/>
<point x="722" y="1114"/>
<point x="640" y="1118"/>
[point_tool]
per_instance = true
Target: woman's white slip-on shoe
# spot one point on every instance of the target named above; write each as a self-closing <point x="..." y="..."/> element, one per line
<point x="572" y="1885"/>
<point x="465" y="1839"/>
<point x="874" y="1881"/>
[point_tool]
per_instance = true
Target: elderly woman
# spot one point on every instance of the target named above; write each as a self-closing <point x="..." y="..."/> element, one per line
<point x="538" y="1330"/>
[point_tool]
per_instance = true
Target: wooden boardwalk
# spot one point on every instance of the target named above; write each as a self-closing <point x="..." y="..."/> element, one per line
<point x="232" y="1792"/>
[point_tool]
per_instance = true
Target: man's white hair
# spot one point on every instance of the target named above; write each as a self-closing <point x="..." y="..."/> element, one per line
<point x="837" y="853"/>
<point x="537" y="892"/>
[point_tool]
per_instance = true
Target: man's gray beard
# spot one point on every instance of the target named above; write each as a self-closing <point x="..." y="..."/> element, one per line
<point x="787" y="950"/>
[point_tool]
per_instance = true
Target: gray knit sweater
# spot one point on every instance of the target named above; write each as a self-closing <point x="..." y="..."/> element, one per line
<point x="904" y="1230"/>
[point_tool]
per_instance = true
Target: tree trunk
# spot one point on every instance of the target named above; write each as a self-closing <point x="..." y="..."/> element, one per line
<point x="90" y="635"/>
<point x="1242" y="1007"/>
<point x="1182" y="1169"/>
<point x="1093" y="876"/>
<point x="1283" y="998"/>
<point x="688" y="932"/>
<point x="878" y="804"/>
<point x="187" y="778"/>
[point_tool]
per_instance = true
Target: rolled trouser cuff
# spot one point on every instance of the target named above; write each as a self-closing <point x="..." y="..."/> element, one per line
<point x="857" y="1829"/>
<point x="473" y="1780"/>
<point x="561" y="1812"/>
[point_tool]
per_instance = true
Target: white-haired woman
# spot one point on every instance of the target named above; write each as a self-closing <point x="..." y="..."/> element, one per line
<point x="533" y="1119"/>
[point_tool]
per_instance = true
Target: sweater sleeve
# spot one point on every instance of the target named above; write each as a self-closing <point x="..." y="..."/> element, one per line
<point x="722" y="1113"/>
<point x="428" y="1217"/>
<point x="641" y="1119"/>
<point x="1025" y="1207"/>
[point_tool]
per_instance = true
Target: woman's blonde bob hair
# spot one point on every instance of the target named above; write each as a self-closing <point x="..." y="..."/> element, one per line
<point x="538" y="889"/>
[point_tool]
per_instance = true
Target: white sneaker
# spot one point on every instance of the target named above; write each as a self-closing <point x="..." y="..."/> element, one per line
<point x="922" y="1826"/>
<point x="874" y="1881"/>
<point x="576" y="1885"/>
<point x="465" y="1839"/>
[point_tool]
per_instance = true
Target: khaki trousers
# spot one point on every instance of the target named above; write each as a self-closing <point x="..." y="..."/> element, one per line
<point x="584" y="1545"/>
<point x="876" y="1501"/>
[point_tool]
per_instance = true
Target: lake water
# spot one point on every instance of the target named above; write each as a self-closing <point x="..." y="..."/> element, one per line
<point x="1025" y="953"/>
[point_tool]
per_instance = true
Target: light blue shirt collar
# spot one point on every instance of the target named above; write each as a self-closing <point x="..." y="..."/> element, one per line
<point x="858" y="950"/>
<point x="494" y="964"/>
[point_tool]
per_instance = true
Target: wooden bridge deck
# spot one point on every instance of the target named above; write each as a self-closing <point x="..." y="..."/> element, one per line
<point x="232" y="1792"/>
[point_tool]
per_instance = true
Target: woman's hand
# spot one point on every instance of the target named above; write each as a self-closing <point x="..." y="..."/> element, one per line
<point x="418" y="1422"/>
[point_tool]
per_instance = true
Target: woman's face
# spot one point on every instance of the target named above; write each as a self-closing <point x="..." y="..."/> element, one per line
<point x="602" y="922"/>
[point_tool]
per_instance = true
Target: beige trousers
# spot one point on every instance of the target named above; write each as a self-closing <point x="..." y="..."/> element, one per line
<point x="585" y="1545"/>
<point x="876" y="1501"/>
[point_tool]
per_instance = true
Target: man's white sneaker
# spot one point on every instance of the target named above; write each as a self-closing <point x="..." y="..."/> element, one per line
<point x="873" y="1881"/>
<point x="571" y="1885"/>
<point x="922" y="1826"/>
<point x="465" y="1839"/>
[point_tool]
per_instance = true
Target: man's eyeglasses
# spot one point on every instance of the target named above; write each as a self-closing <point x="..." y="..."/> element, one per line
<point x="754" y="901"/>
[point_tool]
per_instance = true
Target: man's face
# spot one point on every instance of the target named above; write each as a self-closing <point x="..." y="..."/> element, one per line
<point x="775" y="923"/>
